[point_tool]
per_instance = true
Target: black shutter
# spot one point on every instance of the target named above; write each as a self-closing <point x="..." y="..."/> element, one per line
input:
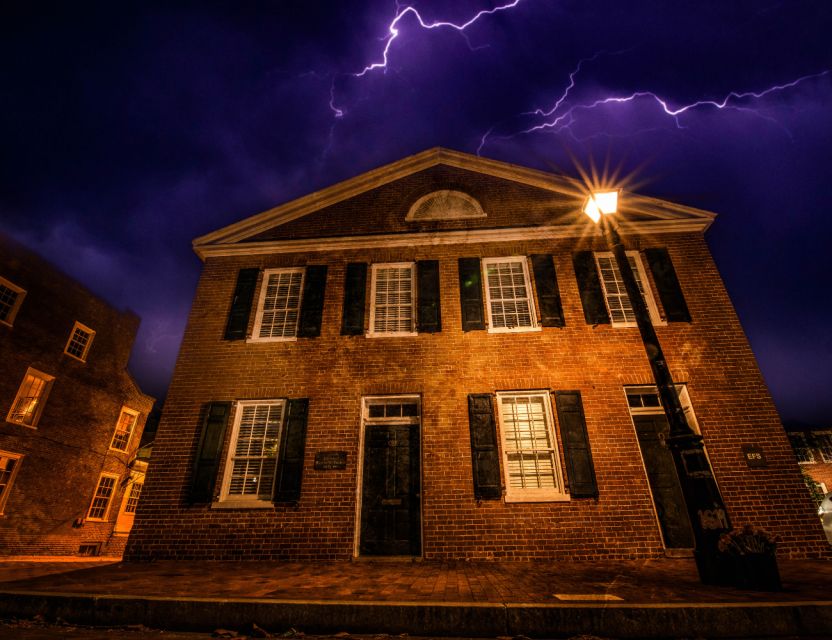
<point x="355" y="290"/>
<point x="592" y="295"/>
<point x="576" y="451"/>
<point x="208" y="452"/>
<point x="670" y="292"/>
<point x="484" y="456"/>
<point x="548" y="293"/>
<point x="429" y="317"/>
<point x="470" y="294"/>
<point x="312" y="301"/>
<point x="287" y="479"/>
<point x="241" y="304"/>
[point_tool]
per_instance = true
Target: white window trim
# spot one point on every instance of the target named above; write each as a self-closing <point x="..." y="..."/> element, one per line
<point x="10" y="484"/>
<point x="439" y="213"/>
<point x="135" y="414"/>
<point x="684" y="401"/>
<point x="371" y="333"/>
<point x="110" y="500"/>
<point x="649" y="299"/>
<point x="41" y="404"/>
<point x="531" y="495"/>
<point x="258" y="318"/>
<point x="810" y="452"/>
<point x="245" y="502"/>
<point x="85" y="329"/>
<point x="532" y="309"/>
<point x="21" y="293"/>
<point x="823" y="456"/>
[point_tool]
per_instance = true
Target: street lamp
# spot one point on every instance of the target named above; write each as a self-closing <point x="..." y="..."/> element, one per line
<point x="705" y="507"/>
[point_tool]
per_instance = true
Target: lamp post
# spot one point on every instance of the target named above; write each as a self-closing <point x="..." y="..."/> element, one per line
<point x="708" y="517"/>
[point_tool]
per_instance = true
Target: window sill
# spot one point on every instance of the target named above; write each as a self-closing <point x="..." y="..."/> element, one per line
<point x="22" y="424"/>
<point x="286" y="339"/>
<point x="392" y="334"/>
<point x="82" y="360"/>
<point x="6" y="324"/>
<point x="540" y="497"/>
<point x="517" y="330"/>
<point x="95" y="520"/>
<point x="242" y="504"/>
<point x="118" y="450"/>
<point x="634" y="325"/>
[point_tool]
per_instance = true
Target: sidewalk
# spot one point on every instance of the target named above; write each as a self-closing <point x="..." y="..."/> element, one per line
<point x="648" y="598"/>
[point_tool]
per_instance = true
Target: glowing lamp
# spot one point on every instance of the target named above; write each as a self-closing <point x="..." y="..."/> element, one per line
<point x="605" y="202"/>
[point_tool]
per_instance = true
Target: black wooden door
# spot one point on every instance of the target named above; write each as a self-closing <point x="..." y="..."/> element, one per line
<point x="390" y="494"/>
<point x="664" y="483"/>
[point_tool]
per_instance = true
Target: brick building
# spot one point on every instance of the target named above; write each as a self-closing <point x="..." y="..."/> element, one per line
<point x="71" y="414"/>
<point x="813" y="448"/>
<point x="436" y="359"/>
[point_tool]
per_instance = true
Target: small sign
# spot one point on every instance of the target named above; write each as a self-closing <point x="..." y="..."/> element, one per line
<point x="754" y="456"/>
<point x="329" y="460"/>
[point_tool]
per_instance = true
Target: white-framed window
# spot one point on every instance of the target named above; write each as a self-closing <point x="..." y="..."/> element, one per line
<point x="823" y="442"/>
<point x="508" y="295"/>
<point x="252" y="454"/>
<point x="133" y="498"/>
<point x="31" y="396"/>
<point x="644" y="400"/>
<point x="393" y="299"/>
<point x="531" y="462"/>
<point x="801" y="448"/>
<point x="124" y="429"/>
<point x="11" y="297"/>
<point x="80" y="341"/>
<point x="618" y="302"/>
<point x="9" y="464"/>
<point x="278" y="310"/>
<point x="103" y="497"/>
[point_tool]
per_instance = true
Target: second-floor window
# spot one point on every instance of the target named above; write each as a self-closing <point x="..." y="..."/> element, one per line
<point x="618" y="302"/>
<point x="31" y="396"/>
<point x="508" y="295"/>
<point x="279" y="308"/>
<point x="11" y="297"/>
<point x="801" y="448"/>
<point x="100" y="505"/>
<point x="9" y="464"/>
<point x="393" y="299"/>
<point x="80" y="341"/>
<point x="124" y="429"/>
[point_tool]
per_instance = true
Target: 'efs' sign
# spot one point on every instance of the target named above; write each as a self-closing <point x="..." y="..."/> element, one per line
<point x="754" y="456"/>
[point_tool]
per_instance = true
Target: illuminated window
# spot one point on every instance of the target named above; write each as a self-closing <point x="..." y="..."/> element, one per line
<point x="11" y="297"/>
<point x="618" y="302"/>
<point x="801" y="448"/>
<point x="124" y="429"/>
<point x="9" y="464"/>
<point x="530" y="451"/>
<point x="393" y="308"/>
<point x="100" y="506"/>
<point x="133" y="498"/>
<point x="252" y="460"/>
<point x="508" y="295"/>
<point x="80" y="341"/>
<point x="31" y="396"/>
<point x="279" y="308"/>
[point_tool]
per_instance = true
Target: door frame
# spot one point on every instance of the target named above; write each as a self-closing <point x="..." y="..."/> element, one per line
<point x="366" y="401"/>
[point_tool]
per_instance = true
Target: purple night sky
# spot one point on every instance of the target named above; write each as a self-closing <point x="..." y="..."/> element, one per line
<point x="128" y="129"/>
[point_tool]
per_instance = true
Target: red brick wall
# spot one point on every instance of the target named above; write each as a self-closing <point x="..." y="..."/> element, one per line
<point x="65" y="454"/>
<point x="711" y="355"/>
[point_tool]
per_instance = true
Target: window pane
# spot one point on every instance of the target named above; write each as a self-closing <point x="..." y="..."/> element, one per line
<point x="28" y="398"/>
<point x="254" y="456"/>
<point x="78" y="343"/>
<point x="7" y="299"/>
<point x="508" y="294"/>
<point x="7" y="467"/>
<point x="618" y="303"/>
<point x="528" y="443"/>
<point x="393" y="300"/>
<point x="281" y="305"/>
<point x="101" y="500"/>
<point x="124" y="429"/>
<point x="133" y="499"/>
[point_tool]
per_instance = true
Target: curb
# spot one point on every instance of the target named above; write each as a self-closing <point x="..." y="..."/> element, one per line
<point x="720" y="620"/>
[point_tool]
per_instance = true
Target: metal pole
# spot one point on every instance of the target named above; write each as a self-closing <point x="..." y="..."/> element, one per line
<point x="705" y="507"/>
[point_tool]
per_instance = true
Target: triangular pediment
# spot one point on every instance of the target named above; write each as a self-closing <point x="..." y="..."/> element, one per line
<point x="402" y="202"/>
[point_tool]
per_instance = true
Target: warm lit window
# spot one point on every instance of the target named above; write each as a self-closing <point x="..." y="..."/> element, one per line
<point x="9" y="464"/>
<point x="530" y="452"/>
<point x="801" y="448"/>
<point x="100" y="506"/>
<point x="279" y="308"/>
<point x="823" y="442"/>
<point x="80" y="341"/>
<point x="124" y="429"/>
<point x="31" y="396"/>
<point x="11" y="297"/>
<point x="393" y="308"/>
<point x="133" y="498"/>
<point x="618" y="302"/>
<point x="508" y="295"/>
<point x="252" y="460"/>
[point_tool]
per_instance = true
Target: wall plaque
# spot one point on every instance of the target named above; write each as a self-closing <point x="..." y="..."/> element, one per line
<point x="328" y="460"/>
<point x="754" y="456"/>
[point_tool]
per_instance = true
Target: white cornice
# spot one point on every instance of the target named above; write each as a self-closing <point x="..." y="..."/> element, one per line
<point x="474" y="236"/>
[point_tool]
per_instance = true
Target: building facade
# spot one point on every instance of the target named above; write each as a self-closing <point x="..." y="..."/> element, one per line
<point x="437" y="359"/>
<point x="813" y="448"/>
<point x="71" y="415"/>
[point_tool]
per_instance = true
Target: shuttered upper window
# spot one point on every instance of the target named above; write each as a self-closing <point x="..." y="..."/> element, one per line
<point x="618" y="302"/>
<point x="508" y="295"/>
<point x="252" y="461"/>
<point x="11" y="297"/>
<point x="31" y="396"/>
<point x="279" y="308"/>
<point x="393" y="299"/>
<point x="530" y="452"/>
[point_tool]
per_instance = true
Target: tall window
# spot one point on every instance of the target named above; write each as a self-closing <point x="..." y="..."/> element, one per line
<point x="252" y="460"/>
<point x="124" y="429"/>
<point x="393" y="299"/>
<point x="530" y="451"/>
<point x="823" y="441"/>
<point x="508" y="295"/>
<point x="31" y="396"/>
<point x="9" y="464"/>
<point x="279" y="308"/>
<point x="801" y="448"/>
<point x="80" y="341"/>
<point x="100" y="506"/>
<point x="618" y="302"/>
<point x="133" y="498"/>
<point x="11" y="297"/>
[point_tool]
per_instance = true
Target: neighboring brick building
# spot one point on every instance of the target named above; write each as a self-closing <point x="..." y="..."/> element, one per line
<point x="813" y="448"/>
<point x="429" y="360"/>
<point x="71" y="415"/>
